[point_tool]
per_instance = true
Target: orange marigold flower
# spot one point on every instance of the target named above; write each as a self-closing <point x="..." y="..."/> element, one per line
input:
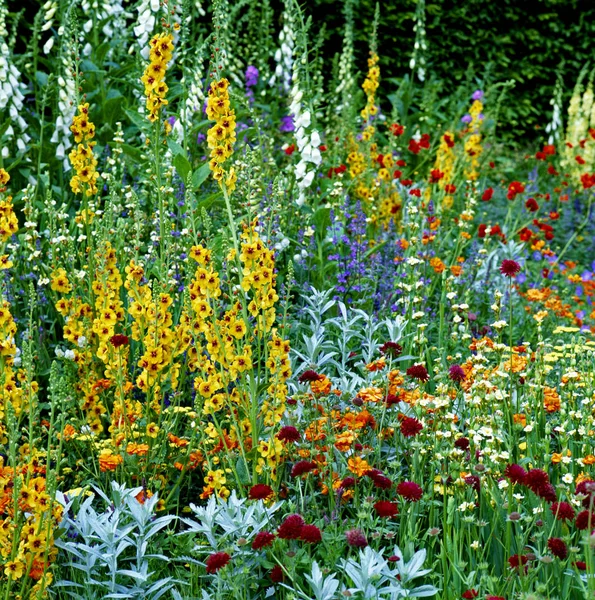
<point x="358" y="466"/>
<point x="520" y="419"/>
<point x="589" y="460"/>
<point x="551" y="399"/>
<point x="321" y="386"/>
<point x="108" y="461"/>
<point x="139" y="449"/>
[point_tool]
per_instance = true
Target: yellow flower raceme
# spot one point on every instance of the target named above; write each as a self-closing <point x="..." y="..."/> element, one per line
<point x="162" y="46"/>
<point x="82" y="158"/>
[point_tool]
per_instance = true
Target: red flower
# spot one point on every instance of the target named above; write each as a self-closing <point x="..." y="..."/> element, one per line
<point x="391" y="349"/>
<point x="558" y="548"/>
<point x="276" y="574"/>
<point x="410" y="491"/>
<point x="462" y="443"/>
<point x="262" y="540"/>
<point x="532" y="205"/>
<point x="260" y="491"/>
<point x="310" y="534"/>
<point x="487" y="195"/>
<point x="308" y="376"/>
<point x="517" y="560"/>
<point x="547" y="492"/>
<point x="291" y="528"/>
<point x="473" y="481"/>
<point x="536" y="479"/>
<point x="449" y="141"/>
<point x="290" y="150"/>
<point x="495" y="598"/>
<point x="410" y="427"/>
<point x="516" y="474"/>
<point x="470" y="594"/>
<point x="581" y="565"/>
<point x="436" y="175"/>
<point x="217" y="561"/>
<point x="515" y="188"/>
<point x="563" y="511"/>
<point x="380" y="481"/>
<point x="348" y="482"/>
<point x="301" y="467"/>
<point x="481" y="230"/>
<point x="414" y="146"/>
<point x="425" y="141"/>
<point x="450" y="188"/>
<point x="509" y="267"/>
<point x="583" y="519"/>
<point x="397" y="129"/>
<point x="356" y="538"/>
<point x="118" y="340"/>
<point x="456" y="373"/>
<point x="288" y="434"/>
<point x="386" y="509"/>
<point x="418" y="372"/>
<point x="549" y="149"/>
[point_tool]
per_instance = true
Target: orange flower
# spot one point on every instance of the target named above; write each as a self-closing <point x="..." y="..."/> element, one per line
<point x="456" y="270"/>
<point x="520" y="419"/>
<point x="557" y="457"/>
<point x="176" y="441"/>
<point x="69" y="432"/>
<point x="371" y="394"/>
<point x="377" y="365"/>
<point x="551" y="399"/>
<point x="108" y="461"/>
<point x="589" y="460"/>
<point x="437" y="265"/>
<point x="321" y="386"/>
<point x="139" y="449"/>
<point x="515" y="363"/>
<point x="358" y="466"/>
<point x="344" y="440"/>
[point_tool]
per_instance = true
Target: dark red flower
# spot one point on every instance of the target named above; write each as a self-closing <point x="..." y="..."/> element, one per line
<point x="410" y="427"/>
<point x="418" y="372"/>
<point x="532" y="205"/>
<point x="473" y="481"/>
<point x="495" y="598"/>
<point x="586" y="487"/>
<point x="391" y="349"/>
<point x="516" y="474"/>
<point x="348" y="482"/>
<point x="290" y="150"/>
<point x="380" y="480"/>
<point x="291" y="527"/>
<point x="547" y="492"/>
<point x="581" y="565"/>
<point x="462" y="443"/>
<point x="386" y="509"/>
<point x="481" y="230"/>
<point x="118" y="340"/>
<point x="410" y="491"/>
<point x="558" y="548"/>
<point x="487" y="195"/>
<point x="288" y="434"/>
<point x="584" y="519"/>
<point x="509" y="267"/>
<point x="308" y="376"/>
<point x="276" y="574"/>
<point x="470" y="594"/>
<point x="397" y="129"/>
<point x="260" y="491"/>
<point x="515" y="188"/>
<point x="356" y="538"/>
<point x="217" y="561"/>
<point x="310" y="534"/>
<point x="301" y="467"/>
<point x="517" y="560"/>
<point x="449" y="188"/>
<point x="456" y="373"/>
<point x="536" y="479"/>
<point x="262" y="540"/>
<point x="563" y="511"/>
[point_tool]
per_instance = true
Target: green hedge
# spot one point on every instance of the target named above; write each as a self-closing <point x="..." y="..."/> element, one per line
<point x="501" y="39"/>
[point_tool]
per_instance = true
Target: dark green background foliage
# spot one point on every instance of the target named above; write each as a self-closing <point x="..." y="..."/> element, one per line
<point x="528" y="41"/>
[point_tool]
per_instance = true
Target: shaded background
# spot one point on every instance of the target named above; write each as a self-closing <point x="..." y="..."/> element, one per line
<point x="529" y="41"/>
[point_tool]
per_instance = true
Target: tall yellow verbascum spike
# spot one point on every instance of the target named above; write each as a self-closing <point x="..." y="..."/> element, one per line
<point x="162" y="47"/>
<point x="222" y="136"/>
<point x="9" y="223"/>
<point x="82" y="158"/>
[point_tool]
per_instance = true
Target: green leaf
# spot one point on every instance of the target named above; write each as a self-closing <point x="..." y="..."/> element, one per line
<point x="182" y="166"/>
<point x="200" y="176"/>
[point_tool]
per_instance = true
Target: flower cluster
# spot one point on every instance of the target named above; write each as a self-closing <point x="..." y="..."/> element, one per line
<point x="221" y="136"/>
<point x="9" y="223"/>
<point x="82" y="158"/>
<point x="160" y="54"/>
<point x="370" y="86"/>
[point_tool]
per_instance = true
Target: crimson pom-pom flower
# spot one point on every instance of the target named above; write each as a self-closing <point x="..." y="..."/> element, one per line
<point x="380" y="480"/>
<point x="291" y="527"/>
<point x="356" y="538"/>
<point x="217" y="561"/>
<point x="509" y="268"/>
<point x="518" y="560"/>
<point x="516" y="474"/>
<point x="585" y="487"/>
<point x="418" y="372"/>
<point x="581" y="565"/>
<point x="308" y="376"/>
<point x="118" y="340"/>
<point x="260" y="491"/>
<point x="310" y="534"/>
<point x="386" y="509"/>
<point x="262" y="540"/>
<point x="288" y="434"/>
<point x="558" y="548"/>
<point x="536" y="479"/>
<point x="583" y="519"/>
<point x="456" y="373"/>
<point x="469" y="594"/>
<point x="410" y="427"/>
<point x="276" y="574"/>
<point x="532" y="205"/>
<point x="410" y="491"/>
<point x="563" y="511"/>
<point x="391" y="349"/>
<point x="462" y="443"/>
<point x="547" y="492"/>
<point x="487" y="195"/>
<point x="473" y="481"/>
<point x="301" y="467"/>
<point x="348" y="482"/>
